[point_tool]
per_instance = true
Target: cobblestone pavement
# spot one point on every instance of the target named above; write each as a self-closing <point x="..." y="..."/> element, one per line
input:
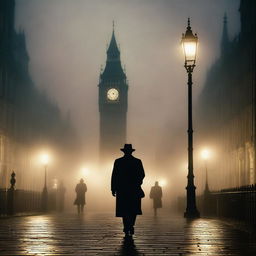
<point x="101" y="234"/>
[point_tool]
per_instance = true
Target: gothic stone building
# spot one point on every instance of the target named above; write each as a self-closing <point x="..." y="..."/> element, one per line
<point x="113" y="97"/>
<point x="28" y="119"/>
<point x="226" y="109"/>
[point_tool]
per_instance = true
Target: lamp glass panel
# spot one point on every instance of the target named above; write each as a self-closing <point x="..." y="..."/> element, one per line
<point x="190" y="50"/>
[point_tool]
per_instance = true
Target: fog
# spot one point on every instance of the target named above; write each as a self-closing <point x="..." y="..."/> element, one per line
<point x="67" y="42"/>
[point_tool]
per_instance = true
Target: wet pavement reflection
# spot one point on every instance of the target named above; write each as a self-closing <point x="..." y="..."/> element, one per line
<point x="212" y="237"/>
<point x="101" y="234"/>
<point x="37" y="236"/>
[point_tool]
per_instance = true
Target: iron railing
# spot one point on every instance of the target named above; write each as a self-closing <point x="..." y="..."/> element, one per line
<point x="23" y="201"/>
<point x="17" y="201"/>
<point x="235" y="203"/>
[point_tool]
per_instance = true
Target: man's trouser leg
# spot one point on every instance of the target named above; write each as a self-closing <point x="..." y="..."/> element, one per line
<point x="126" y="224"/>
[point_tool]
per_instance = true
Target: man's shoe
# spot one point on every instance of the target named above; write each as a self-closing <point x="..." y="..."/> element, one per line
<point x="126" y="235"/>
<point x="126" y="232"/>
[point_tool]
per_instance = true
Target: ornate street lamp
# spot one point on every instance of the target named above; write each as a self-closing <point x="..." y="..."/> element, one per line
<point x="45" y="162"/>
<point x="189" y="43"/>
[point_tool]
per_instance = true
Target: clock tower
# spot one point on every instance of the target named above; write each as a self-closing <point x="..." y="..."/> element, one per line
<point x="113" y="95"/>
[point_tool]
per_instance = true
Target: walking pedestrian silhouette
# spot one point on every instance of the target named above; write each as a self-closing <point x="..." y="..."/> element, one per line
<point x="81" y="189"/>
<point x="126" y="180"/>
<point x="156" y="194"/>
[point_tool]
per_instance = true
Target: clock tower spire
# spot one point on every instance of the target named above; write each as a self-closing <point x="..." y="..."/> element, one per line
<point x="113" y="96"/>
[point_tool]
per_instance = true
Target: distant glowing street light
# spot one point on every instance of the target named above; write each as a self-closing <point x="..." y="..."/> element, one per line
<point x="45" y="161"/>
<point x="85" y="171"/>
<point x="205" y="154"/>
<point x="55" y="183"/>
<point x="189" y="43"/>
<point x="163" y="182"/>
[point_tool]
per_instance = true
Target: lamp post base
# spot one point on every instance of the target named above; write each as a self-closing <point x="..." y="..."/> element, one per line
<point x="192" y="214"/>
<point x="191" y="209"/>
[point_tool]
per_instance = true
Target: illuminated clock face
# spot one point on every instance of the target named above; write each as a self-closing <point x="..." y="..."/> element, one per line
<point x="113" y="94"/>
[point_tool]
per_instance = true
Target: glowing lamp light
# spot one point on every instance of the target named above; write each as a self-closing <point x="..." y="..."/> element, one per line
<point x="55" y="184"/>
<point x="189" y="49"/>
<point x="45" y="159"/>
<point x="189" y="43"/>
<point x="85" y="171"/>
<point x="205" y="154"/>
<point x="162" y="183"/>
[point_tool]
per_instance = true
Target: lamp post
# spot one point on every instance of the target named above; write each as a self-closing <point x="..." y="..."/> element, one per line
<point x="189" y="43"/>
<point x="205" y="155"/>
<point x="45" y="161"/>
<point x="207" y="198"/>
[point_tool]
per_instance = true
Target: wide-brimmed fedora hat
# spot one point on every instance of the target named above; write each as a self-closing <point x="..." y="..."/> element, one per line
<point x="127" y="148"/>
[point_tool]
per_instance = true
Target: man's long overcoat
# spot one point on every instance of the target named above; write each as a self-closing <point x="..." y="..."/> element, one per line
<point x="81" y="188"/>
<point x="127" y="177"/>
<point x="156" y="194"/>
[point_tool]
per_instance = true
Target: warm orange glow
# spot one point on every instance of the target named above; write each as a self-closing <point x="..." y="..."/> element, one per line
<point x="163" y="182"/>
<point x="55" y="184"/>
<point x="190" y="50"/>
<point x="45" y="159"/>
<point x="85" y="171"/>
<point x="205" y="154"/>
<point x="189" y="43"/>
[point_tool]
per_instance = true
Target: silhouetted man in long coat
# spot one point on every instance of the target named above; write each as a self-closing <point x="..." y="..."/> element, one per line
<point x="81" y="189"/>
<point x="127" y="177"/>
<point x="156" y="194"/>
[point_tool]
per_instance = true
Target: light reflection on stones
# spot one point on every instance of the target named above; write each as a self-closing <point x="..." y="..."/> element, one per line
<point x="38" y="235"/>
<point x="204" y="237"/>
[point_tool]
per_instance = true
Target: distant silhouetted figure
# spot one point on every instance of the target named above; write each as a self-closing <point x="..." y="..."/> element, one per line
<point x="127" y="177"/>
<point x="156" y="194"/>
<point x="80" y="196"/>
<point x="61" y="197"/>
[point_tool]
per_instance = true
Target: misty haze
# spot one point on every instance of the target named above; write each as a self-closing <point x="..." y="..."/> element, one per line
<point x="67" y="44"/>
<point x="92" y="89"/>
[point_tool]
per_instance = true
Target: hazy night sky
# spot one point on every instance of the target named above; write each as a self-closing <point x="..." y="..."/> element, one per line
<point x="67" y="41"/>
